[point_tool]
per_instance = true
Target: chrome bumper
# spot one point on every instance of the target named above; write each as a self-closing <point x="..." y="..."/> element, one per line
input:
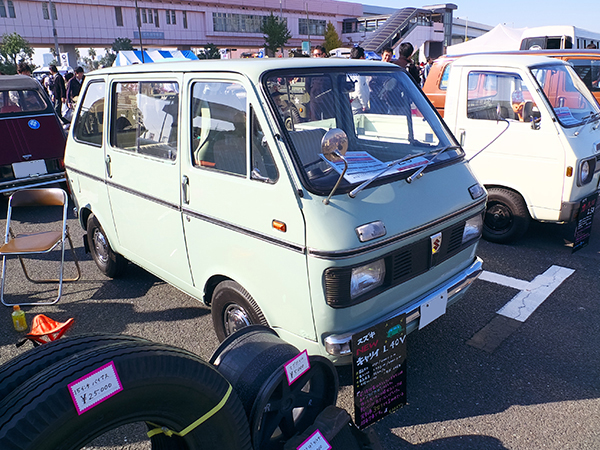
<point x="339" y="344"/>
<point x="32" y="182"/>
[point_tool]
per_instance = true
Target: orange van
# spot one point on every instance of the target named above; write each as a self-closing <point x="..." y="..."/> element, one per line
<point x="585" y="62"/>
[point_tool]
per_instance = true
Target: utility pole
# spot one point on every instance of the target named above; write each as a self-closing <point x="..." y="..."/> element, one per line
<point x="139" y="27"/>
<point x="51" y="6"/>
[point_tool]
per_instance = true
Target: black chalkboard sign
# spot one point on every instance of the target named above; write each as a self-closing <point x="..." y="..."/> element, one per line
<point x="379" y="371"/>
<point x="583" y="226"/>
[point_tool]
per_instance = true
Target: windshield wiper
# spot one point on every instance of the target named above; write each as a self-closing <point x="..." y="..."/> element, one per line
<point x="356" y="190"/>
<point x="419" y="172"/>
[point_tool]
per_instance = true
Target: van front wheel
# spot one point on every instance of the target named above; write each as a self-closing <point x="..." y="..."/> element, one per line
<point x="233" y="308"/>
<point x="506" y="216"/>
<point x="108" y="261"/>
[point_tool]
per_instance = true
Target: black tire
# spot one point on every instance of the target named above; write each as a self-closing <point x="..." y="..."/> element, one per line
<point x="19" y="369"/>
<point x="108" y="261"/>
<point x="233" y="308"/>
<point x="292" y="119"/>
<point x="162" y="385"/>
<point x="506" y="217"/>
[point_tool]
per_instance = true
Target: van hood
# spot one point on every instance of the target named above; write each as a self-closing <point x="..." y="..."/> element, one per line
<point x="404" y="208"/>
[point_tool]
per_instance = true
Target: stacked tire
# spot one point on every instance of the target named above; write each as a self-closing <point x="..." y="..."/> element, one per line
<point x="166" y="387"/>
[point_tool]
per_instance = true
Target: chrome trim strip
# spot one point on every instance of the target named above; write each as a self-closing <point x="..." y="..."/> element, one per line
<point x="344" y="254"/>
<point x="227" y="225"/>
<point x="453" y="286"/>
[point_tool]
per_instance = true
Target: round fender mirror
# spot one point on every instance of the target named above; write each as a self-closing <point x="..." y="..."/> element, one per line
<point x="334" y="144"/>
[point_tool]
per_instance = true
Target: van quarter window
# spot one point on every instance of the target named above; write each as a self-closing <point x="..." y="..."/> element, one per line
<point x="144" y="118"/>
<point x="219" y="127"/>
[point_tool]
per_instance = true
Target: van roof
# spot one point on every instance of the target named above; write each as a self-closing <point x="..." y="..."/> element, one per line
<point x="18" y="82"/>
<point x="512" y="60"/>
<point x="252" y="67"/>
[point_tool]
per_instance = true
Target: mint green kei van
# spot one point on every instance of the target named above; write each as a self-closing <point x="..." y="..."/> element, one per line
<point x="319" y="225"/>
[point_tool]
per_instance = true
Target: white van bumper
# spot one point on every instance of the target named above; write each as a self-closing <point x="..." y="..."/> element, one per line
<point x="339" y="344"/>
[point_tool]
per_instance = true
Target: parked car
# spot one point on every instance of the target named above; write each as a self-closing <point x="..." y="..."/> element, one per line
<point x="195" y="172"/>
<point x="531" y="129"/>
<point x="33" y="139"/>
<point x="585" y="62"/>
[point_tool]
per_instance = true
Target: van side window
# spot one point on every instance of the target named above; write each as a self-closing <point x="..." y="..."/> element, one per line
<point x="219" y="126"/>
<point x="89" y="123"/>
<point x="589" y="71"/>
<point x="263" y="165"/>
<point x="445" y="77"/>
<point x="490" y="93"/>
<point x="144" y="118"/>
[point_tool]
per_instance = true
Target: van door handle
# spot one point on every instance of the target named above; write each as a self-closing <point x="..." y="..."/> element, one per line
<point x="185" y="187"/>
<point x="108" y="168"/>
<point x="461" y="136"/>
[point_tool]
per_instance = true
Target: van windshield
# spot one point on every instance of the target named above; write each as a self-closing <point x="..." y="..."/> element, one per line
<point x="572" y="102"/>
<point x="383" y="113"/>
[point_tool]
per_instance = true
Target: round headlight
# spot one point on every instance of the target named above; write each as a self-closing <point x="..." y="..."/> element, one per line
<point x="585" y="171"/>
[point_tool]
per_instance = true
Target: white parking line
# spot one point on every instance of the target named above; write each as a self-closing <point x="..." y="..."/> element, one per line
<point x="532" y="293"/>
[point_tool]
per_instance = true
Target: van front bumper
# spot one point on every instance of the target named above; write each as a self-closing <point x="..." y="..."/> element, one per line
<point x="339" y="344"/>
<point x="570" y="210"/>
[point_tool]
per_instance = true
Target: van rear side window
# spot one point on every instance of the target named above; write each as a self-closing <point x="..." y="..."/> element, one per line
<point x="589" y="71"/>
<point x="144" y="118"/>
<point x="89" y="124"/>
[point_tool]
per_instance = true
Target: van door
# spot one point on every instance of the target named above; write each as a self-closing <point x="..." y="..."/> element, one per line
<point x="143" y="175"/>
<point x="241" y="215"/>
<point x="523" y="158"/>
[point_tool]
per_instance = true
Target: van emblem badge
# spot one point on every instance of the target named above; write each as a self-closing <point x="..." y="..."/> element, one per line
<point x="33" y="124"/>
<point x="26" y="157"/>
<point x="436" y="242"/>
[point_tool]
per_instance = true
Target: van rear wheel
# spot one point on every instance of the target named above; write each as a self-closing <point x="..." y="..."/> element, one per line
<point x="233" y="308"/>
<point x="506" y="216"/>
<point x="108" y="261"/>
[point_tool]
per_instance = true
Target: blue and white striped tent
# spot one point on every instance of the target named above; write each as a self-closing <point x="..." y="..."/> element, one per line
<point x="128" y="57"/>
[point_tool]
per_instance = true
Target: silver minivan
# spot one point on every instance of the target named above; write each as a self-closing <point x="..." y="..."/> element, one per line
<point x="319" y="225"/>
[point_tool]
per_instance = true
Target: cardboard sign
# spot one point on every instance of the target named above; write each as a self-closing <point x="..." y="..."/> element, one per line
<point x="379" y="371"/>
<point x="583" y="226"/>
<point x="95" y="387"/>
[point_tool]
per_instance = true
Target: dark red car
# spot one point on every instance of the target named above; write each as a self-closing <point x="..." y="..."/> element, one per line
<point x="32" y="139"/>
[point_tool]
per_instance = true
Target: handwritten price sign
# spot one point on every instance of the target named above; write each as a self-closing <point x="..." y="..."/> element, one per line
<point x="95" y="387"/>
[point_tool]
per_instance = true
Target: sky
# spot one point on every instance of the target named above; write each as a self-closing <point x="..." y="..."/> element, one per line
<point x="518" y="13"/>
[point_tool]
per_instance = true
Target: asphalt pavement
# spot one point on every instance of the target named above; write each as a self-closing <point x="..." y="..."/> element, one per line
<point x="538" y="387"/>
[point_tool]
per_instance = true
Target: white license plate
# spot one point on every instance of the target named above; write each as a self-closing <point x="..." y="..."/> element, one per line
<point x="29" y="168"/>
<point x="433" y="309"/>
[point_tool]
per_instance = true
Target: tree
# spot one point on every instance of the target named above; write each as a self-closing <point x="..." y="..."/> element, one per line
<point x="90" y="61"/>
<point x="332" y="38"/>
<point x="13" y="50"/>
<point x="111" y="53"/>
<point x="275" y="32"/>
<point x="210" y="51"/>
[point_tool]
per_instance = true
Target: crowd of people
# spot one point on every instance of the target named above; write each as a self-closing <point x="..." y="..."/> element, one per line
<point x="63" y="91"/>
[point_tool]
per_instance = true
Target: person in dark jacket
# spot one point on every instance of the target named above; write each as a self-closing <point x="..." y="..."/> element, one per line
<point x="74" y="87"/>
<point x="58" y="90"/>
<point x="404" y="60"/>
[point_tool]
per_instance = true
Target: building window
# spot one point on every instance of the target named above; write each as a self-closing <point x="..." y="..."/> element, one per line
<point x="156" y="24"/>
<point x="184" y="19"/>
<point x="317" y="27"/>
<point x="46" y="13"/>
<point x="11" y="9"/>
<point x="144" y="18"/>
<point x="2" y="9"/>
<point x="119" y="16"/>
<point x="171" y="19"/>
<point x="242" y="23"/>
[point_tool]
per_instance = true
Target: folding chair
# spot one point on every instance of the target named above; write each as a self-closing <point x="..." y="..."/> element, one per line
<point x="40" y="242"/>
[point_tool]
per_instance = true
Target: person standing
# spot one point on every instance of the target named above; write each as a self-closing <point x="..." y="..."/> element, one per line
<point x="58" y="90"/>
<point x="74" y="87"/>
<point x="24" y="69"/>
<point x="359" y="98"/>
<point x="404" y="60"/>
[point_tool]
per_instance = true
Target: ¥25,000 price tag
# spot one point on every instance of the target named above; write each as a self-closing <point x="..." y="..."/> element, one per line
<point x="95" y="387"/>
